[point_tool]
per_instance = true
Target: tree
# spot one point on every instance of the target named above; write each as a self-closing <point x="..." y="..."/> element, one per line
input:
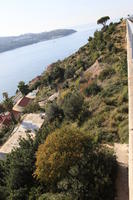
<point x="62" y="149"/>
<point x="24" y="89"/>
<point x="3" y="192"/>
<point x="2" y="109"/>
<point x="92" y="89"/>
<point x="69" y="72"/>
<point x="103" y="20"/>
<point x="19" y="167"/>
<point x="53" y="111"/>
<point x="72" y="162"/>
<point x="106" y="73"/>
<point x="5" y="95"/>
<point x="72" y="105"/>
<point x="50" y="196"/>
<point x="8" y="105"/>
<point x="57" y="73"/>
<point x="32" y="107"/>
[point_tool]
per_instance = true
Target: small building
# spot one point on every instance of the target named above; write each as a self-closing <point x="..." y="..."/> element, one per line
<point x="21" y="104"/>
<point x="32" y="95"/>
<point x="50" y="99"/>
<point x="24" y="101"/>
<point x="5" y="119"/>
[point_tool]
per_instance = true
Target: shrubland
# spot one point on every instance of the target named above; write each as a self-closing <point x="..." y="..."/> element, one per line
<point x="68" y="158"/>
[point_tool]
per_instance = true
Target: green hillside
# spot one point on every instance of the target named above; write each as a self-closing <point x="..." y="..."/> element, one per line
<point x="68" y="159"/>
<point x="98" y="71"/>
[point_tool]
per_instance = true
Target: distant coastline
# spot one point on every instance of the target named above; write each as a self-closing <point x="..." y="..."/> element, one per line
<point x="14" y="42"/>
<point x="27" y="62"/>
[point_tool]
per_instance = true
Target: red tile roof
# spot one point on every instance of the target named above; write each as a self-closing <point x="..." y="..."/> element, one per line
<point x="6" y="119"/>
<point x="24" y="102"/>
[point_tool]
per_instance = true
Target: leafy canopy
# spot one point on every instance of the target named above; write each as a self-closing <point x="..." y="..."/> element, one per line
<point x="103" y="20"/>
<point x="24" y="89"/>
<point x="62" y="148"/>
<point x="65" y="161"/>
<point x="72" y="105"/>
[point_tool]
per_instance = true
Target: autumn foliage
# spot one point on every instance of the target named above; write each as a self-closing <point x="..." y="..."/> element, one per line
<point x="62" y="149"/>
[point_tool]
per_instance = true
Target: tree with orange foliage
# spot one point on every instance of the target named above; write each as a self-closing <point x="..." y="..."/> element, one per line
<point x="72" y="162"/>
<point x="62" y="149"/>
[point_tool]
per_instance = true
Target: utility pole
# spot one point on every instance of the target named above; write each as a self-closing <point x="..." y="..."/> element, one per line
<point x="130" y="95"/>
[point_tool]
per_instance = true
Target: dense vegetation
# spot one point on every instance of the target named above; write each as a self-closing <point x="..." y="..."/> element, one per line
<point x="101" y="88"/>
<point x="68" y="158"/>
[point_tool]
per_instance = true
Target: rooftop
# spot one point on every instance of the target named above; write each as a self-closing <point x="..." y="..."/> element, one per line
<point x="32" y="95"/>
<point x="30" y="123"/>
<point x="24" y="101"/>
<point x="21" y="104"/>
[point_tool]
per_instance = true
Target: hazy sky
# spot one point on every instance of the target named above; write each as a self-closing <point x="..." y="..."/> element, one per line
<point x="22" y="16"/>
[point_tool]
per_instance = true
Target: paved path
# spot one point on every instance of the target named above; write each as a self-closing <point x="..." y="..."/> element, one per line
<point x="121" y="151"/>
<point x="30" y="123"/>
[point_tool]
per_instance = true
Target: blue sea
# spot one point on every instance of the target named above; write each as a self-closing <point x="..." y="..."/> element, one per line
<point x="25" y="63"/>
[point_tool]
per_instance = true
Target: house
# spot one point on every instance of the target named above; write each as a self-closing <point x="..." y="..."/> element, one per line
<point x="6" y="119"/>
<point x="53" y="97"/>
<point x="21" y="104"/>
<point x="24" y="101"/>
<point x="50" y="99"/>
<point x="32" y="95"/>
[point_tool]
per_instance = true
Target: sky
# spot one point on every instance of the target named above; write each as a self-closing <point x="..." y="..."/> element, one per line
<point x="31" y="16"/>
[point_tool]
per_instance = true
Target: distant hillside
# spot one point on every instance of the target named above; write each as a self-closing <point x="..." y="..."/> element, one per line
<point x="13" y="42"/>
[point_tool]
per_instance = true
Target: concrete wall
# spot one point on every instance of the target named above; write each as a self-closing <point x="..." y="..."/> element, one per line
<point x="130" y="93"/>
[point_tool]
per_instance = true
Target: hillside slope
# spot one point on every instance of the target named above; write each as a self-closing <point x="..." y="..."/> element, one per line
<point x="85" y="99"/>
<point x="98" y="71"/>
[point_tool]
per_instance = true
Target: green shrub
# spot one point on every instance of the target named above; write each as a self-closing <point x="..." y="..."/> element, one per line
<point x="50" y="196"/>
<point x="72" y="105"/>
<point x="69" y="72"/>
<point x="20" y="194"/>
<point x="23" y="88"/>
<point x="65" y="162"/>
<point x="92" y="89"/>
<point x="5" y="132"/>
<point x="124" y="95"/>
<point x="110" y="101"/>
<point x="123" y="131"/>
<point x="122" y="65"/>
<point x="36" y="192"/>
<point x="57" y="73"/>
<point x="53" y="111"/>
<point x="107" y="136"/>
<point x="106" y="73"/>
<point x="32" y="107"/>
<point x="84" y="114"/>
<point x="110" y="46"/>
